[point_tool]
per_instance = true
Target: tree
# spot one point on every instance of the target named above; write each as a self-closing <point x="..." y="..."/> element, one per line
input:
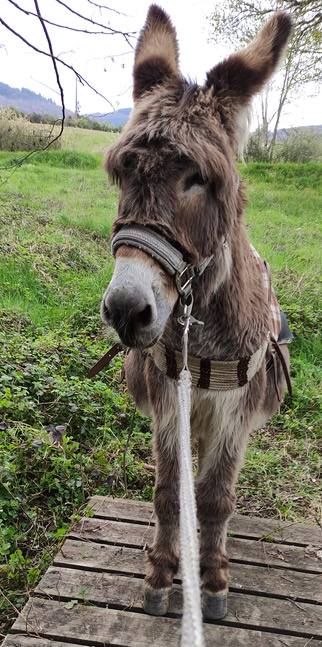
<point x="70" y="16"/>
<point x="237" y="23"/>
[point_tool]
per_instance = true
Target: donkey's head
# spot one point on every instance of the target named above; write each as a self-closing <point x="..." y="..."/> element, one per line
<point x="175" y="165"/>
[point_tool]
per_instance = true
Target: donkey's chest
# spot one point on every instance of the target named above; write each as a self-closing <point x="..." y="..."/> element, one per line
<point x="220" y="414"/>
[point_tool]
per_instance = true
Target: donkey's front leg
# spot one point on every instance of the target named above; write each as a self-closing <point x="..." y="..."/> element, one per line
<point x="163" y="555"/>
<point x="216" y="503"/>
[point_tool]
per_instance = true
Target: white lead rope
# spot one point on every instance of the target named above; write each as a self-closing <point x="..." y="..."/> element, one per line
<point x="192" y="630"/>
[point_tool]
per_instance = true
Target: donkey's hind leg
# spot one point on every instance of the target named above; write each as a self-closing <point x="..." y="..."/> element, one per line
<point x="163" y="555"/>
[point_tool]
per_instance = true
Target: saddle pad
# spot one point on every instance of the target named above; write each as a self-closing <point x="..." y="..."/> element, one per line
<point x="275" y="316"/>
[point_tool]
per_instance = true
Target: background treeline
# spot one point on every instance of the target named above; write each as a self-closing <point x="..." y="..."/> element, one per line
<point x="21" y="132"/>
<point x="75" y="122"/>
<point x="303" y="144"/>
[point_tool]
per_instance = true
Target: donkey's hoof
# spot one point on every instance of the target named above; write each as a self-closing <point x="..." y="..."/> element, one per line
<point x="214" y="606"/>
<point x="156" y="604"/>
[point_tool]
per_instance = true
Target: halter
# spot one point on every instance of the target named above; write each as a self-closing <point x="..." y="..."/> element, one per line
<point x="165" y="253"/>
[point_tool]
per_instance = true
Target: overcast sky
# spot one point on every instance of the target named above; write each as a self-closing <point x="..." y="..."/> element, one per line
<point x="106" y="61"/>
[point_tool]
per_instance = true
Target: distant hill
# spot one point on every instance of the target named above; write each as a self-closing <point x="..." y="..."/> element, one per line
<point x="116" y="118"/>
<point x="283" y="132"/>
<point x="28" y="101"/>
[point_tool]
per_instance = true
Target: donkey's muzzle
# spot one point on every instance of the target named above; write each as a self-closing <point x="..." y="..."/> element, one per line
<point x="132" y="313"/>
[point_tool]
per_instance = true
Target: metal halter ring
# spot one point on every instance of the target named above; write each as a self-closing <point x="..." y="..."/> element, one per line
<point x="184" y="285"/>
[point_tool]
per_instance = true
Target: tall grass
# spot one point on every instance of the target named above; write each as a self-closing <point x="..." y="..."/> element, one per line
<point x="18" y="134"/>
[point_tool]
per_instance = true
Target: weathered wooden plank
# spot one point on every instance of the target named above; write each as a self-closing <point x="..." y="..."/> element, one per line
<point x="127" y="593"/>
<point x="256" y="527"/>
<point x="247" y="550"/>
<point x="27" y="641"/>
<point x="125" y="629"/>
<point x="245" y="577"/>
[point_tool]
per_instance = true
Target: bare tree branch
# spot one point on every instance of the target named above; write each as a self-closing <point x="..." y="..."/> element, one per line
<point x="98" y="24"/>
<point x="100" y="28"/>
<point x="53" y="58"/>
<point x="102" y="6"/>
<point x="81" y="79"/>
<point x="111" y="31"/>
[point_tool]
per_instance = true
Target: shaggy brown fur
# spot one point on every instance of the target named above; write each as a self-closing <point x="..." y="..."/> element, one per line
<point x="175" y="164"/>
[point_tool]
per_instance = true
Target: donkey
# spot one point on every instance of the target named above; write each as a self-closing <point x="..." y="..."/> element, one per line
<point x="179" y="188"/>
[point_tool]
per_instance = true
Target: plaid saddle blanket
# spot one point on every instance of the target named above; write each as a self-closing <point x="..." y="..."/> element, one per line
<point x="275" y="323"/>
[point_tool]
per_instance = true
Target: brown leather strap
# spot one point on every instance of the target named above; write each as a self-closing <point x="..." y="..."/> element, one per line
<point x="275" y="373"/>
<point x="105" y="360"/>
<point x="280" y="355"/>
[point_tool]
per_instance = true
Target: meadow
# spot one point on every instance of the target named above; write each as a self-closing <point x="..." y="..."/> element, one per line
<point x="64" y="437"/>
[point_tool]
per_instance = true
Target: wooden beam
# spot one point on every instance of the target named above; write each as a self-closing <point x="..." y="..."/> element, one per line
<point x="101" y="627"/>
<point x="278" y="582"/>
<point x="125" y="593"/>
<point x="246" y="550"/>
<point x="240" y="525"/>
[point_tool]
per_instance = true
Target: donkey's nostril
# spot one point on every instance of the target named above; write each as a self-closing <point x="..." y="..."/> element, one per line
<point x="144" y="318"/>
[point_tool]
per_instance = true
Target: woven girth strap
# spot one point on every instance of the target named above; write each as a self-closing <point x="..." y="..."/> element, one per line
<point x="209" y="374"/>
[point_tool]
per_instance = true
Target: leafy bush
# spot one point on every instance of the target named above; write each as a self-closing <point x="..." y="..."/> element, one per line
<point x="91" y="124"/>
<point x="63" y="437"/>
<point x="256" y="149"/>
<point x="18" y="134"/>
<point x="297" y="146"/>
<point x="304" y="145"/>
<point x="47" y="118"/>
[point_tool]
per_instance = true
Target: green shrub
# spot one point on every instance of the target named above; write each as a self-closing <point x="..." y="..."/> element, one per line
<point x="18" y="134"/>
<point x="47" y="118"/>
<point x="256" y="149"/>
<point x="303" y="145"/>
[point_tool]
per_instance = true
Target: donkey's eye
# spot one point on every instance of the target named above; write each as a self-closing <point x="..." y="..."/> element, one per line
<point x="129" y="162"/>
<point x="196" y="178"/>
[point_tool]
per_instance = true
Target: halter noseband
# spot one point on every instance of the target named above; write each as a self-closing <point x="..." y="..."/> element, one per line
<point x="169" y="257"/>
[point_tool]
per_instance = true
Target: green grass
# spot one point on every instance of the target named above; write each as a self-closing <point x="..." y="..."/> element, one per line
<point x="82" y="140"/>
<point x="282" y="473"/>
<point x="56" y="214"/>
<point x="47" y="273"/>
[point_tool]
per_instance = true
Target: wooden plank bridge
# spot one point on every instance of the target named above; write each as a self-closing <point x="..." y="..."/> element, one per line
<point x="92" y="594"/>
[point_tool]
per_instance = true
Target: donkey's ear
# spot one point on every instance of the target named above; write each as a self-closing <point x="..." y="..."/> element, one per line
<point x="239" y="77"/>
<point x="156" y="55"/>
